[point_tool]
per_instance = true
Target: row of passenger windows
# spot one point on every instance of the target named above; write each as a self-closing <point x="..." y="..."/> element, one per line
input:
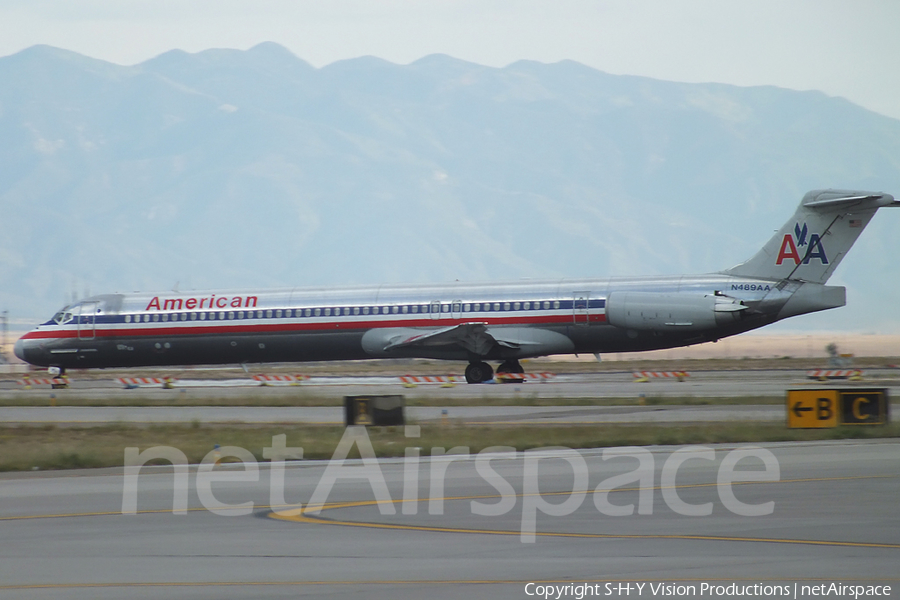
<point x="436" y="308"/>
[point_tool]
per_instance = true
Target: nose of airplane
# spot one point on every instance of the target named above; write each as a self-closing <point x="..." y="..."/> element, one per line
<point x="19" y="350"/>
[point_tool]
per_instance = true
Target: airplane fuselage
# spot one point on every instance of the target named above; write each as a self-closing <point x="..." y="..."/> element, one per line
<point x="222" y="327"/>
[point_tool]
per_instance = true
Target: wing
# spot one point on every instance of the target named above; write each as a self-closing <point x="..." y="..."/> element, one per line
<point x="472" y="337"/>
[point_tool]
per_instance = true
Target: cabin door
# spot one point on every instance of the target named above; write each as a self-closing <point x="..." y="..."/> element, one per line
<point x="580" y="305"/>
<point x="87" y="320"/>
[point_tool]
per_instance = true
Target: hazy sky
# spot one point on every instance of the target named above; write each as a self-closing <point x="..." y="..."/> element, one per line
<point x="844" y="48"/>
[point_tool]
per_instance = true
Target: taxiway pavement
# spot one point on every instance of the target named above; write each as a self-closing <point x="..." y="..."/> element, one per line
<point x="834" y="519"/>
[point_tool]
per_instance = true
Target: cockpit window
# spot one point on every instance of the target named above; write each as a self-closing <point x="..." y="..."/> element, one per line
<point x="63" y="316"/>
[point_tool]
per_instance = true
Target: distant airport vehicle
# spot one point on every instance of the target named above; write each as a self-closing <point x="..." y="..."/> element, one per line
<point x="502" y="322"/>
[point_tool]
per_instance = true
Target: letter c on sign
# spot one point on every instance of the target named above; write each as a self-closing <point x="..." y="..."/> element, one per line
<point x="856" y="404"/>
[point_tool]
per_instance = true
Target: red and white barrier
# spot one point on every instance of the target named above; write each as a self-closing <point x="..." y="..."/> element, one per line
<point x="645" y="376"/>
<point x="54" y="382"/>
<point x="133" y="382"/>
<point x="522" y="377"/>
<point x="825" y="374"/>
<point x="266" y="380"/>
<point x="414" y="380"/>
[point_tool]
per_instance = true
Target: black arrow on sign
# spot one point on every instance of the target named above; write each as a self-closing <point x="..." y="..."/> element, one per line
<point x="799" y="410"/>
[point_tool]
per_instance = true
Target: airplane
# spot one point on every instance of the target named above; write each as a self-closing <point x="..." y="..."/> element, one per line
<point x="503" y="322"/>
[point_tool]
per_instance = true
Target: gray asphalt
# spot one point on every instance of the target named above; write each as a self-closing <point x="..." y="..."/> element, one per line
<point x="834" y="519"/>
<point x="725" y="384"/>
<point x="553" y="415"/>
<point x="769" y="383"/>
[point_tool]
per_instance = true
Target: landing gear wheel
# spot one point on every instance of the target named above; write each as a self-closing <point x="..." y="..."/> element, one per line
<point x="479" y="372"/>
<point x="510" y="366"/>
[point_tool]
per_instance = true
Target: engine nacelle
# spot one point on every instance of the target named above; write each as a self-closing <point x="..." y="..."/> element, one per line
<point x="670" y="312"/>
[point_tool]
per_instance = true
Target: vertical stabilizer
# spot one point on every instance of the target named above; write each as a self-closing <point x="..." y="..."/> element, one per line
<point x="814" y="241"/>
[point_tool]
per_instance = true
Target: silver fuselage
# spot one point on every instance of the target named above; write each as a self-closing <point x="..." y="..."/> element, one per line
<point x="310" y="324"/>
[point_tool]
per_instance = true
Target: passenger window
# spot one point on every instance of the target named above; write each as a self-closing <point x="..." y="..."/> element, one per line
<point x="230" y="315"/>
<point x="476" y="307"/>
<point x="307" y="312"/>
<point x="556" y="304"/>
<point x="506" y="306"/>
<point x="240" y="314"/>
<point x="327" y="312"/>
<point x="278" y="314"/>
<point x="527" y="306"/>
<point x="355" y="310"/>
<point x="415" y="308"/>
<point x="222" y="316"/>
<point x="466" y="307"/>
<point x="365" y="310"/>
<point x="155" y="318"/>
<point x="165" y="318"/>
<point x="517" y="306"/>
<point x="203" y="316"/>
<point x="546" y="306"/>
<point x="128" y="318"/>
<point x="404" y="309"/>
<point x="456" y="307"/>
<point x="193" y="316"/>
<point x="395" y="309"/>
<point x="318" y="312"/>
<point x="496" y="306"/>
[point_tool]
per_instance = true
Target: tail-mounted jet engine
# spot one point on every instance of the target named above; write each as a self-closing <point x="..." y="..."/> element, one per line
<point x="654" y="311"/>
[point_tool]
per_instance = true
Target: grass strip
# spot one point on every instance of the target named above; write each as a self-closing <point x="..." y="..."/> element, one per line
<point x="52" y="447"/>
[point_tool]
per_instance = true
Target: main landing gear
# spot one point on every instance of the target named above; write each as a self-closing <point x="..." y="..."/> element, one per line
<point x="479" y="372"/>
<point x="510" y="366"/>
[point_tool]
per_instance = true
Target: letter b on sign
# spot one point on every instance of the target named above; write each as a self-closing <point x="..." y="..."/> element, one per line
<point x="824" y="409"/>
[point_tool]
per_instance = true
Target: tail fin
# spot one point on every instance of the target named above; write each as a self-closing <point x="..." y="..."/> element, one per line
<point x="812" y="243"/>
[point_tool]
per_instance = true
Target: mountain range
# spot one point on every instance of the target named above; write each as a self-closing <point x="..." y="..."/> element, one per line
<point x="232" y="169"/>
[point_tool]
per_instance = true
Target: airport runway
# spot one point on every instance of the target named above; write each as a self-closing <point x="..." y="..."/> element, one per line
<point x="834" y="519"/>
<point x="704" y="384"/>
